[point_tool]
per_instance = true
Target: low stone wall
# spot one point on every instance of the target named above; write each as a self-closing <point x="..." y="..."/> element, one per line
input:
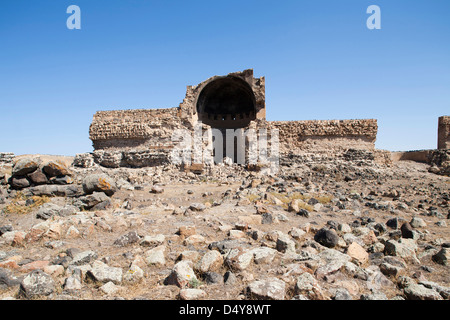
<point x="6" y="158"/>
<point x="322" y="135"/>
<point x="414" y="155"/>
<point x="144" y="128"/>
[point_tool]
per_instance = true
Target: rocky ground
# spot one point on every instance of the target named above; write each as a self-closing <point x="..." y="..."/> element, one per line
<point x="320" y="229"/>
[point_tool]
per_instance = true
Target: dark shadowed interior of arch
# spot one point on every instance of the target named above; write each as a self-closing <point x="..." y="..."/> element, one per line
<point x="226" y="103"/>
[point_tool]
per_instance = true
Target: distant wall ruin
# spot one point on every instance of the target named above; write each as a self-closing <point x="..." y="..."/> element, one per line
<point x="143" y="137"/>
<point x="444" y="132"/>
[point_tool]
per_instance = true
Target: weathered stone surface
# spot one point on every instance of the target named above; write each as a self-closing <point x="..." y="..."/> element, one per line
<point x="38" y="177"/>
<point x="327" y="237"/>
<point x="285" y="244"/>
<point x="407" y="231"/>
<point x="442" y="257"/>
<point x="134" y="274"/>
<point x="19" y="182"/>
<point x="24" y="166"/>
<point x="152" y="241"/>
<point x="192" y="294"/>
<point x="54" y="168"/>
<point x="263" y="255"/>
<point x="94" y="201"/>
<point x="270" y="289"/>
<point x="420" y="292"/>
<point x="417" y="223"/>
<point x="84" y="257"/>
<point x="239" y="259"/>
<point x="48" y="210"/>
<point x="156" y="256"/>
<point x="55" y="190"/>
<point x="127" y="239"/>
<point x="307" y="285"/>
<point x="99" y="182"/>
<point x="197" y="207"/>
<point x="37" y="283"/>
<point x="211" y="261"/>
<point x="156" y="189"/>
<point x="8" y="279"/>
<point x="400" y="249"/>
<point x="181" y="274"/>
<point x="104" y="273"/>
<point x="357" y="253"/>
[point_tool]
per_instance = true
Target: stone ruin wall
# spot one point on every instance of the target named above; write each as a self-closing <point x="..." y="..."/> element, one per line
<point x="143" y="137"/>
<point x="325" y="135"/>
<point x="444" y="132"/>
<point x="134" y="138"/>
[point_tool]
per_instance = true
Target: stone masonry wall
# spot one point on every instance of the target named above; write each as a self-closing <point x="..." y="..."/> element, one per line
<point x="444" y="132"/>
<point x="143" y="137"/>
<point x="325" y="135"/>
<point x="142" y="128"/>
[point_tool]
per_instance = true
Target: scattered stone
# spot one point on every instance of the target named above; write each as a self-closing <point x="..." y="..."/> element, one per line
<point x="152" y="241"/>
<point x="442" y="257"/>
<point x="127" y="239"/>
<point x="263" y="255"/>
<point x="37" y="283"/>
<point x="307" y="285"/>
<point x="156" y="256"/>
<point x="94" y="201"/>
<point x="357" y="253"/>
<point x="285" y="244"/>
<point x="156" y="189"/>
<point x="407" y="231"/>
<point x="134" y="274"/>
<point x="239" y="259"/>
<point x="7" y="279"/>
<point x="271" y="289"/>
<point x="84" y="257"/>
<point x="55" y="168"/>
<point x="103" y="273"/>
<point x="213" y="278"/>
<point x="327" y="237"/>
<point x="192" y="294"/>
<point x="100" y="183"/>
<point x="109" y="288"/>
<point x="229" y="278"/>
<point x="181" y="274"/>
<point x="211" y="261"/>
<point x="420" y="292"/>
<point x="417" y="223"/>
<point x="197" y="207"/>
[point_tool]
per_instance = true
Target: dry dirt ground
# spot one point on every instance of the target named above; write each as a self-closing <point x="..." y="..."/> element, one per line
<point x="234" y="209"/>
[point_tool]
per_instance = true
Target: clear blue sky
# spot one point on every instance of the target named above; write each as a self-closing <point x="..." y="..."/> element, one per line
<point x="319" y="59"/>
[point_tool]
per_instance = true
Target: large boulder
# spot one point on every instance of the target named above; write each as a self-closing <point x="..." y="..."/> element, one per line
<point x="24" y="166"/>
<point x="99" y="182"/>
<point x="19" y="182"/>
<point x="55" y="190"/>
<point x="55" y="168"/>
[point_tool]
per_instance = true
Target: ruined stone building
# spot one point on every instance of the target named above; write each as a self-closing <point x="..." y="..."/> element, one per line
<point x="144" y="137"/>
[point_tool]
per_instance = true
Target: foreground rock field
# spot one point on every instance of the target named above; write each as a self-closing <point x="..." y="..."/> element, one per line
<point x="346" y="229"/>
